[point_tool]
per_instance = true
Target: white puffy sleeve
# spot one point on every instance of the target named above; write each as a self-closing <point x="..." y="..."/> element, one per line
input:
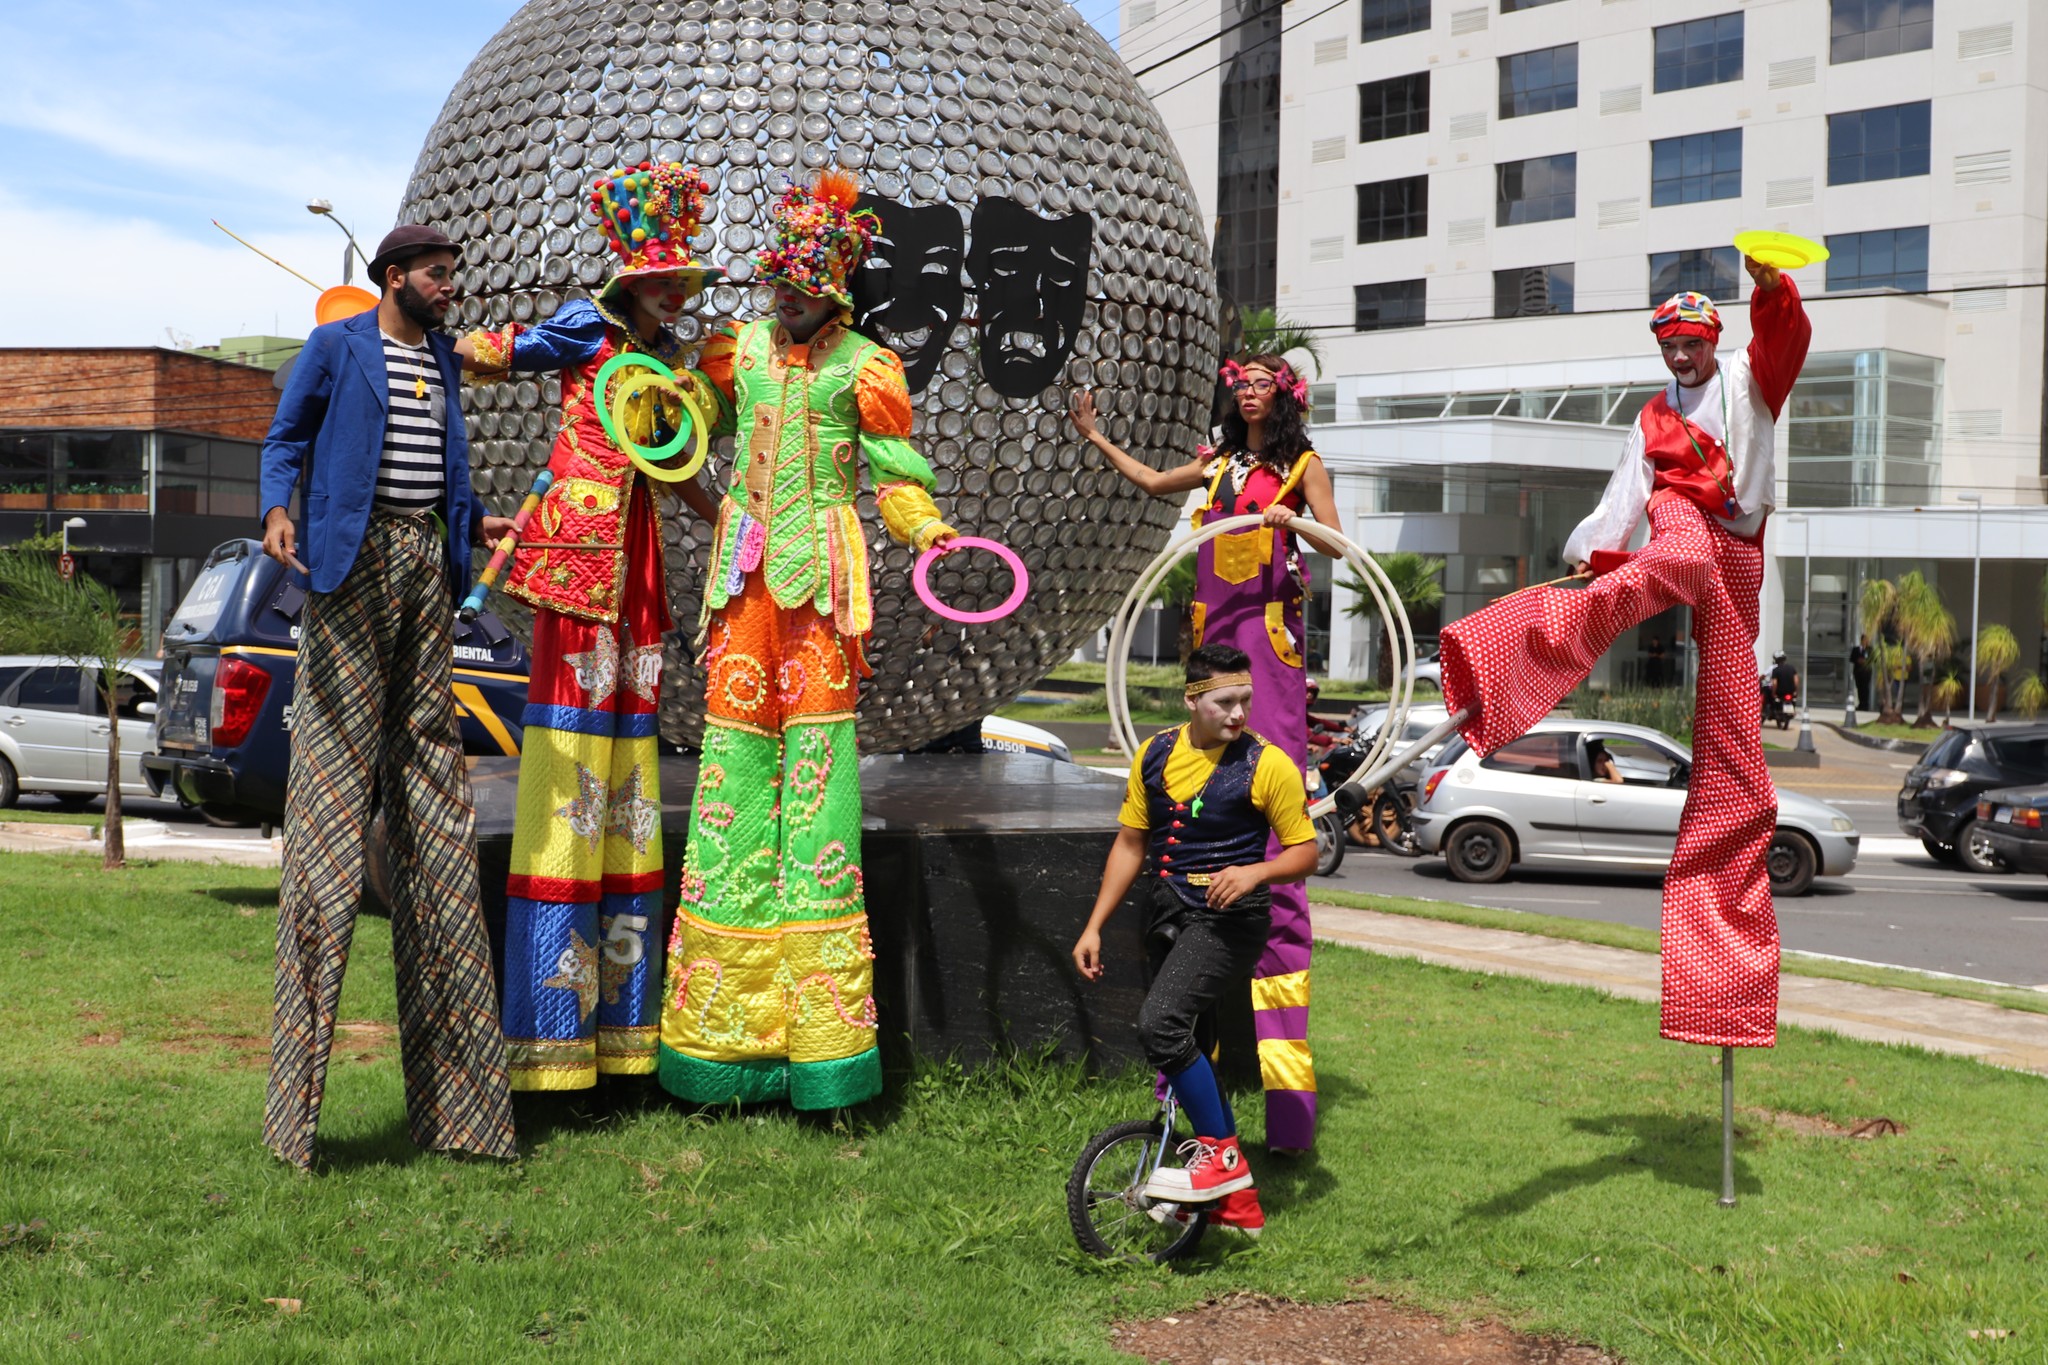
<point x="1621" y="506"/>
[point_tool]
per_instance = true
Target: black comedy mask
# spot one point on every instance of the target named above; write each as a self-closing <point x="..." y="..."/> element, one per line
<point x="907" y="293"/>
<point x="1031" y="280"/>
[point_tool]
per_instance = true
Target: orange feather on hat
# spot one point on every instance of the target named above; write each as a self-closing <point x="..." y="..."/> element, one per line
<point x="837" y="188"/>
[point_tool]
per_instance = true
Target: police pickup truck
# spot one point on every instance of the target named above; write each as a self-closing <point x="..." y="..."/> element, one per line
<point x="224" y="713"/>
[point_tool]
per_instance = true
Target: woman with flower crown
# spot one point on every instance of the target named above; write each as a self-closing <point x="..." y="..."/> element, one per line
<point x="582" y="964"/>
<point x="1249" y="590"/>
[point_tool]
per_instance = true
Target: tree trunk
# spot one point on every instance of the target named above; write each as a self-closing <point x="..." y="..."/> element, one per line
<point x="110" y="833"/>
<point x="1185" y="635"/>
<point x="1925" y="720"/>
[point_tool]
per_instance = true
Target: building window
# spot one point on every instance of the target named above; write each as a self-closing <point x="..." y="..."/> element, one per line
<point x="1510" y="6"/>
<point x="1393" y="108"/>
<point x="1686" y="170"/>
<point x="1709" y="270"/>
<point x="1322" y="403"/>
<point x="1879" y="144"/>
<point x="1863" y="429"/>
<point x="1880" y="28"/>
<point x="1538" y="82"/>
<point x="1699" y="52"/>
<point x="1389" y="210"/>
<point x="1532" y="291"/>
<point x="1397" y="303"/>
<point x="209" y="478"/>
<point x="87" y="471"/>
<point x="1536" y="190"/>
<point x="1391" y="18"/>
<point x="1894" y="258"/>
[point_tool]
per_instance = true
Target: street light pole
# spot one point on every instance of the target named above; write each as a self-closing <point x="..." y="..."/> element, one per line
<point x="64" y="532"/>
<point x="1805" y="745"/>
<point x="320" y="208"/>
<point x="1976" y="500"/>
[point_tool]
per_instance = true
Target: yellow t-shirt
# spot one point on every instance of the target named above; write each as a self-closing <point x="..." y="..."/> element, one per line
<point x="1277" y="789"/>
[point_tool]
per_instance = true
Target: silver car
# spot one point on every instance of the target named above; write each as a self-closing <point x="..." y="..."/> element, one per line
<point x="1586" y="793"/>
<point x="53" y="728"/>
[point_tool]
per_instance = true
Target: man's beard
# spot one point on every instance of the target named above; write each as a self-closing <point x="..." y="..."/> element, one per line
<point x="414" y="305"/>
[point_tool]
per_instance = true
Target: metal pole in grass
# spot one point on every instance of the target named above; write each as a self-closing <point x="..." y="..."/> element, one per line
<point x="1727" y="1127"/>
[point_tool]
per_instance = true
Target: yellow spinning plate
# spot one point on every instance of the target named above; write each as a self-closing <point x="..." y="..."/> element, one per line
<point x="1780" y="249"/>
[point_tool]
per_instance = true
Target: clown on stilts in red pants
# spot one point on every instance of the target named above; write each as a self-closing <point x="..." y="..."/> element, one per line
<point x="1699" y="461"/>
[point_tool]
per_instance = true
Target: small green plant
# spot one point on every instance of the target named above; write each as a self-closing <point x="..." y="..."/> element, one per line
<point x="1661" y="708"/>
<point x="2030" y="695"/>
<point x="1997" y="652"/>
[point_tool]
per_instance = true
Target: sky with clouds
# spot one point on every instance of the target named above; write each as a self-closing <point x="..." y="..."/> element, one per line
<point x="129" y="124"/>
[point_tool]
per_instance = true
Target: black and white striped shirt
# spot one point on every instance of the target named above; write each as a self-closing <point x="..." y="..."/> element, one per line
<point x="410" y="475"/>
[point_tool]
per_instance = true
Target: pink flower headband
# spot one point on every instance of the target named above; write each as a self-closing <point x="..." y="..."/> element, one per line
<point x="1287" y="380"/>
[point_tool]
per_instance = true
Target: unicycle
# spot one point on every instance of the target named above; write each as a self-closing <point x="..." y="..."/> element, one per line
<point x="1106" y="1202"/>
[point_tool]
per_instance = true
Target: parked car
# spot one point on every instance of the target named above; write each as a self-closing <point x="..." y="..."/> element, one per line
<point x="2013" y="821"/>
<point x="222" y="740"/>
<point x="1938" y="799"/>
<point x="1535" y="801"/>
<point x="54" y="724"/>
<point x="1430" y="670"/>
<point x="1001" y="735"/>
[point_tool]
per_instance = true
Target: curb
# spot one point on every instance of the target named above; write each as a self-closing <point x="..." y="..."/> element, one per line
<point x="1896" y="746"/>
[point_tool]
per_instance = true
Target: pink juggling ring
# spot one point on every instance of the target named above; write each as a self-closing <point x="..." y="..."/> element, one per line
<point x="920" y="579"/>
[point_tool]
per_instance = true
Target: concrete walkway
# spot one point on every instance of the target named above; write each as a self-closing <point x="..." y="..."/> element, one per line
<point x="146" y="840"/>
<point x="1879" y="1014"/>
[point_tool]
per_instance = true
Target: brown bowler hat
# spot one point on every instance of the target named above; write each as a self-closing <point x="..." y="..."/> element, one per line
<point x="403" y="243"/>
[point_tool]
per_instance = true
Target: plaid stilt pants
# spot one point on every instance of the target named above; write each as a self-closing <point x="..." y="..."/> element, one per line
<point x="373" y="713"/>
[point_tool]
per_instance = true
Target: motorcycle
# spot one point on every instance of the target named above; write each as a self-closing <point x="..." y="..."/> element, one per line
<point x="1778" y="707"/>
<point x="1379" y="816"/>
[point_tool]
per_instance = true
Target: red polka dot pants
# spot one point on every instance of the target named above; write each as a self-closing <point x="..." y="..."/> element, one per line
<point x="1519" y="657"/>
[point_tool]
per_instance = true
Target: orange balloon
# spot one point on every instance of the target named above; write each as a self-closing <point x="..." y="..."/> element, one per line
<point x="342" y="301"/>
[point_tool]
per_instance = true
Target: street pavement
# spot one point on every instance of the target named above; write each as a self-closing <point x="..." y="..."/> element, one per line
<point x="1898" y="907"/>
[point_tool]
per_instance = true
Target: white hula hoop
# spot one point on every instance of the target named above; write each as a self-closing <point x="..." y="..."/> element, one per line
<point x="1123" y="625"/>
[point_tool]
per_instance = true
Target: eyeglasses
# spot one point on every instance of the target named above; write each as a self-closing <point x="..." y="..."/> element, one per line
<point x="1253" y="386"/>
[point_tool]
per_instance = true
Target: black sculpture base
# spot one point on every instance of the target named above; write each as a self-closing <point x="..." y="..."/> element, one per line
<point x="980" y="871"/>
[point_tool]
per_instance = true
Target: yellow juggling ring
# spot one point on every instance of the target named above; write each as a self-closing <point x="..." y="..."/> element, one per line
<point x="696" y="430"/>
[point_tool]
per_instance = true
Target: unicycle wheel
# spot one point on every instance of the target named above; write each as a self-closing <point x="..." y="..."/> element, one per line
<point x="1107" y="1206"/>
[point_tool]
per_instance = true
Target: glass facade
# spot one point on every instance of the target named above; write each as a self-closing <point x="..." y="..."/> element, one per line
<point x="1390" y="210"/>
<point x="1714" y="271"/>
<point x="1396" y="107"/>
<point x="207" y="477"/>
<point x="1698" y="52"/>
<point x="1532" y="291"/>
<point x="1892" y="258"/>
<point x="1395" y="303"/>
<point x="1887" y="143"/>
<point x="1696" y="167"/>
<point x="1390" y="18"/>
<point x="1861" y="29"/>
<point x="1863" y="429"/>
<point x="74" y="471"/>
<point x="1539" y="82"/>
<point x="1536" y="190"/>
<point x="1248" y="154"/>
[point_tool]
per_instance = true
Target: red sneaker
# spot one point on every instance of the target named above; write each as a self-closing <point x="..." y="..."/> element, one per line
<point x="1214" y="1167"/>
<point x="1240" y="1211"/>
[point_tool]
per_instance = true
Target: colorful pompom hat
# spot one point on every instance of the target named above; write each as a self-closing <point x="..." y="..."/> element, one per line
<point x="648" y="213"/>
<point x="817" y="238"/>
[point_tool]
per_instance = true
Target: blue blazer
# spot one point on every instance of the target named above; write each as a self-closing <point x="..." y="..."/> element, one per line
<point x="329" y="433"/>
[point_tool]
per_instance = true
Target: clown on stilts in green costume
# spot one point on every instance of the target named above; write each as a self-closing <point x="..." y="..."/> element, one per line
<point x="769" y="987"/>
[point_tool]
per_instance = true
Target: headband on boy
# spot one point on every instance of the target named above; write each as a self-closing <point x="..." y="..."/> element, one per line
<point x="1196" y="689"/>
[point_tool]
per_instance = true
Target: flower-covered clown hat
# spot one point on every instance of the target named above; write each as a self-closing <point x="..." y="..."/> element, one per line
<point x="648" y="213"/>
<point x="818" y="238"/>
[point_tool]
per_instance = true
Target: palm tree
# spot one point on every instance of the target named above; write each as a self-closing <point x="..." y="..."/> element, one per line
<point x="1997" y="652"/>
<point x="1267" y="333"/>
<point x="1944" y="695"/>
<point x="1418" y="584"/>
<point x="78" y="620"/>
<point x="1879" y="604"/>
<point x="1928" y="631"/>
<point x="2030" y="695"/>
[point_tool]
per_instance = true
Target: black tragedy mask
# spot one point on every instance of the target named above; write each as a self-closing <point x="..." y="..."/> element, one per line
<point x="1031" y="277"/>
<point x="907" y="293"/>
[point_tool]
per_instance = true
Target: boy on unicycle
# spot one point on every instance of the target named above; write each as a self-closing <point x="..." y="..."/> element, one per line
<point x="1201" y="802"/>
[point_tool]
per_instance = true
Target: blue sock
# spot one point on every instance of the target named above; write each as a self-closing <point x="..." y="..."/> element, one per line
<point x="1195" y="1087"/>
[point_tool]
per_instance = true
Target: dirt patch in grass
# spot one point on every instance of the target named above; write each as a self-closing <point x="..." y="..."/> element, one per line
<point x="1251" y="1329"/>
<point x="1813" y="1125"/>
<point x="111" y="1038"/>
<point x="248" y="1050"/>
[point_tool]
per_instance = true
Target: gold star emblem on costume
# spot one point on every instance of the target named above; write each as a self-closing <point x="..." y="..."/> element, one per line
<point x="586" y="813"/>
<point x="597" y="668"/>
<point x="641" y="668"/>
<point x="612" y="977"/>
<point x="632" y="814"/>
<point x="576" y="970"/>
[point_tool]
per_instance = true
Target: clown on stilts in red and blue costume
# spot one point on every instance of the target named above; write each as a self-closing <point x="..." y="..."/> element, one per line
<point x="582" y="966"/>
<point x="1249" y="589"/>
<point x="1699" y="462"/>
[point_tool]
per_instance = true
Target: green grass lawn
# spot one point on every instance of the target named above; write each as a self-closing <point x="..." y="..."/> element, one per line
<point x="41" y="815"/>
<point x="1490" y="1146"/>
<point x="1912" y="734"/>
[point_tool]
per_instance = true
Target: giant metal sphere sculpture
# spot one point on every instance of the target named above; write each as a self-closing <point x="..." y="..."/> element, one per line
<point x="954" y="103"/>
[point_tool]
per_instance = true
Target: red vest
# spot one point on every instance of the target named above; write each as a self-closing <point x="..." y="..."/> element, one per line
<point x="1677" y="469"/>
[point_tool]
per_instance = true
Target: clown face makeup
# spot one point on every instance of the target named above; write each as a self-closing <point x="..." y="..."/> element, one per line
<point x="907" y="293"/>
<point x="1031" y="281"/>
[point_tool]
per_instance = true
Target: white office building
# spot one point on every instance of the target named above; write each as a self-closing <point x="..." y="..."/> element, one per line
<point x="1476" y="203"/>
